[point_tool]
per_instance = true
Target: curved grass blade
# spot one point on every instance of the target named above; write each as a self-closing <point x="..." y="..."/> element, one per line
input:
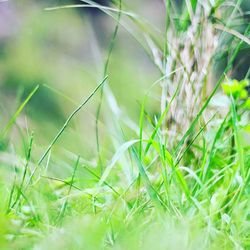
<point x="19" y="110"/>
<point x="69" y="119"/>
<point x="98" y="111"/>
<point x="153" y="194"/>
<point x="124" y="147"/>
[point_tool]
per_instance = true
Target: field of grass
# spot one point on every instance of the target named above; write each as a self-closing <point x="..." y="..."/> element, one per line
<point x="169" y="172"/>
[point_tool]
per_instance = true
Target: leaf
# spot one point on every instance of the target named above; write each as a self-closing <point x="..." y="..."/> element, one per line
<point x="69" y="119"/>
<point x="155" y="197"/>
<point x="121" y="150"/>
<point x="19" y="110"/>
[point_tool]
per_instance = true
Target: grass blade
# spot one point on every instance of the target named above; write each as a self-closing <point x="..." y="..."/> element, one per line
<point x="69" y="119"/>
<point x="19" y="110"/>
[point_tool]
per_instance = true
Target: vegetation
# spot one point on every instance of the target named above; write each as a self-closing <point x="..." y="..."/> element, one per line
<point x="175" y="176"/>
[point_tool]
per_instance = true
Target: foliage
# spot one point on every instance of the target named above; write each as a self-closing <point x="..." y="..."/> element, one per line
<point x="177" y="178"/>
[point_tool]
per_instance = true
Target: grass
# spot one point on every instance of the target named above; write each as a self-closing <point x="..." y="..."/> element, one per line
<point x="177" y="180"/>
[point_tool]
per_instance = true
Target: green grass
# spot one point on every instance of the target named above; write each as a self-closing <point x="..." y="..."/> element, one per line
<point x="177" y="179"/>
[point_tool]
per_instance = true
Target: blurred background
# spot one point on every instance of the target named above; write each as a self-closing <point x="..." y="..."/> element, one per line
<point x="64" y="51"/>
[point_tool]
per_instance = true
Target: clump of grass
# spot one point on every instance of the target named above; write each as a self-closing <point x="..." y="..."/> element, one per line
<point x="180" y="182"/>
